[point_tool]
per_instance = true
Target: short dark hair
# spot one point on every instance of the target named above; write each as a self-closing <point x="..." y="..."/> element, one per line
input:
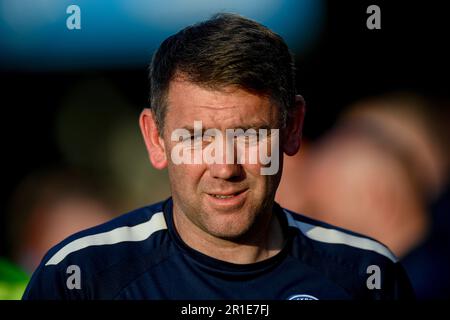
<point x="227" y="49"/>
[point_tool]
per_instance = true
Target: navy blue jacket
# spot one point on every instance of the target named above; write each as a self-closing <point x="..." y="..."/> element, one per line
<point x="140" y="255"/>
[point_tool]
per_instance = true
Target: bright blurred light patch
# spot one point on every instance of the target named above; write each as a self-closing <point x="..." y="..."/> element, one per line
<point x="33" y="33"/>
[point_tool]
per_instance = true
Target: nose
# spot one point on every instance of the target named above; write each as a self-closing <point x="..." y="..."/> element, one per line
<point x="225" y="171"/>
<point x="224" y="168"/>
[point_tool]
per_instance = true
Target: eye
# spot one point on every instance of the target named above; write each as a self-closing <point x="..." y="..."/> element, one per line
<point x="250" y="138"/>
<point x="194" y="137"/>
<point x="197" y="141"/>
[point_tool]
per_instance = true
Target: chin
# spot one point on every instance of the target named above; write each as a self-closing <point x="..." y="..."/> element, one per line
<point x="228" y="229"/>
<point x="230" y="236"/>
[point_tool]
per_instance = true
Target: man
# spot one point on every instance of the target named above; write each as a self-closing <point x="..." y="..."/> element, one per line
<point x="220" y="235"/>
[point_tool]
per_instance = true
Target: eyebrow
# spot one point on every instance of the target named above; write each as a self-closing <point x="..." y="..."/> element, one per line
<point x="214" y="108"/>
<point x="255" y="126"/>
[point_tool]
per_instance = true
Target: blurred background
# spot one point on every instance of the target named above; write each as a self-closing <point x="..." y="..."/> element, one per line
<point x="375" y="153"/>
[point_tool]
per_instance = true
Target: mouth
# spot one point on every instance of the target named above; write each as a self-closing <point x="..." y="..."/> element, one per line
<point x="227" y="195"/>
<point x="228" y="199"/>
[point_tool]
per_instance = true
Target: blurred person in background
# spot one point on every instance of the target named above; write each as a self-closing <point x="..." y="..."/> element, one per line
<point x="49" y="206"/>
<point x="377" y="172"/>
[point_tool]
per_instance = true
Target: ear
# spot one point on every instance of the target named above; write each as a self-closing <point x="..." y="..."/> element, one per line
<point x="153" y="141"/>
<point x="292" y="133"/>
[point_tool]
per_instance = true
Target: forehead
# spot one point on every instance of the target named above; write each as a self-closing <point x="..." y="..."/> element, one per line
<point x="228" y="107"/>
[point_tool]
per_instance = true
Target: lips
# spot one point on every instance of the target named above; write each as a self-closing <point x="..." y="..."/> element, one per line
<point x="218" y="196"/>
<point x="225" y="195"/>
<point x="228" y="201"/>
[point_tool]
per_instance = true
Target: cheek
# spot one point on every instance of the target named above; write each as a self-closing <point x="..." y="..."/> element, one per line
<point x="253" y="171"/>
<point x="185" y="176"/>
<point x="261" y="183"/>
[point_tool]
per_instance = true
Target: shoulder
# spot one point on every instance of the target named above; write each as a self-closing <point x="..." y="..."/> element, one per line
<point x="355" y="262"/>
<point x="130" y="228"/>
<point x="98" y="252"/>
<point x="328" y="238"/>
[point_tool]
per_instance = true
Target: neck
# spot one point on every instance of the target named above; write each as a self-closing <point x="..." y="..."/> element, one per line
<point x="264" y="240"/>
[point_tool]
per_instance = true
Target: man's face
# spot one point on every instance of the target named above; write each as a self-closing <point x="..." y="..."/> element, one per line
<point x="224" y="200"/>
